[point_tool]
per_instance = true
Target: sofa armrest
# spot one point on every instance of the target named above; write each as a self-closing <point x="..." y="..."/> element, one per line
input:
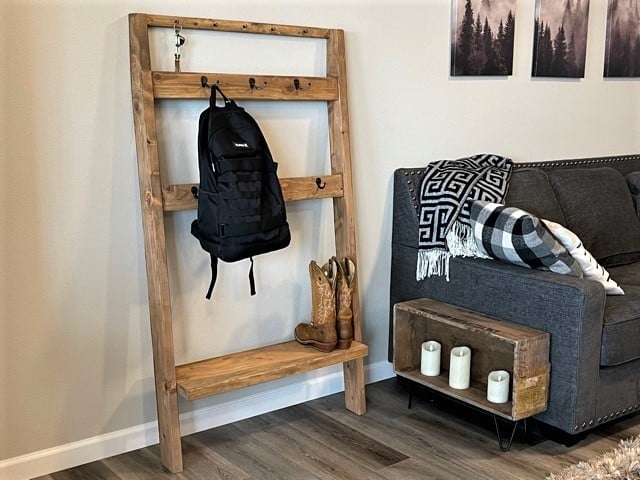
<point x="569" y="308"/>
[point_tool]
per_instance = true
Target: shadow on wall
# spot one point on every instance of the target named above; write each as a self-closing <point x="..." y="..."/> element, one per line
<point x="375" y="297"/>
<point x="127" y="382"/>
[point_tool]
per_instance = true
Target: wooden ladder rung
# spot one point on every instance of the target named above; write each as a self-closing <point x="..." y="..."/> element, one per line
<point x="236" y="26"/>
<point x="238" y="370"/>
<point x="238" y="86"/>
<point x="180" y="196"/>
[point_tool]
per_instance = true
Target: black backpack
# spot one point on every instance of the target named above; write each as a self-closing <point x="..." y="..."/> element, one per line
<point x="241" y="210"/>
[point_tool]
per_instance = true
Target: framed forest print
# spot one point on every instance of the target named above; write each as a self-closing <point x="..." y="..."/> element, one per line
<point x="482" y="34"/>
<point x="560" y="38"/>
<point x="622" y="47"/>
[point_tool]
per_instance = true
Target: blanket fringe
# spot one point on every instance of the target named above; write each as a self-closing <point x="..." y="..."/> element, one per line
<point x="460" y="241"/>
<point x="433" y="262"/>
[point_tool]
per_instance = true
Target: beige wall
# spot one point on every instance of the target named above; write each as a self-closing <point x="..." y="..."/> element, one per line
<point x="74" y="340"/>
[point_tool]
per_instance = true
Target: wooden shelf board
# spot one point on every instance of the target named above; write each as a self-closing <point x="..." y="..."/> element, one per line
<point x="475" y="395"/>
<point x="183" y="85"/>
<point x="179" y="197"/>
<point x="237" y="370"/>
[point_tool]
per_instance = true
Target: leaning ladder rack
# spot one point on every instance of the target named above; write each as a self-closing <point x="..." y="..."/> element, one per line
<point x="230" y="372"/>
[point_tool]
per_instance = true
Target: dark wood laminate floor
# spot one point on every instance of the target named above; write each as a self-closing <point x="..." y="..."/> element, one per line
<point x="436" y="439"/>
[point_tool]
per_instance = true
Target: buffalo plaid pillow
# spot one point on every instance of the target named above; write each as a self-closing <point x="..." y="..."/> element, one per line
<point x="515" y="236"/>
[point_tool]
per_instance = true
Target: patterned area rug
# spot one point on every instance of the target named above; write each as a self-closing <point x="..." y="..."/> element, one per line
<point x="621" y="463"/>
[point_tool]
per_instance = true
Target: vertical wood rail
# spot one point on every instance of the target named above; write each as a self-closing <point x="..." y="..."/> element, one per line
<point x="343" y="207"/>
<point x="154" y="241"/>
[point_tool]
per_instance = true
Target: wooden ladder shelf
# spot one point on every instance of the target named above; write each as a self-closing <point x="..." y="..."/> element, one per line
<point x="237" y="370"/>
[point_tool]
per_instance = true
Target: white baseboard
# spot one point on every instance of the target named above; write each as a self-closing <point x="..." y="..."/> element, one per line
<point x="72" y="454"/>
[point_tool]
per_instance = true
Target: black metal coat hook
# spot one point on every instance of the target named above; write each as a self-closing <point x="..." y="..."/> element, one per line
<point x="204" y="81"/>
<point x="320" y="184"/>
<point x="194" y="192"/>
<point x="253" y="86"/>
<point x="297" y="86"/>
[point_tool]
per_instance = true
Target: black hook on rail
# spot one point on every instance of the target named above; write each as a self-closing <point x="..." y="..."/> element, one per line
<point x="297" y="86"/>
<point x="320" y="184"/>
<point x="204" y="81"/>
<point x="253" y="86"/>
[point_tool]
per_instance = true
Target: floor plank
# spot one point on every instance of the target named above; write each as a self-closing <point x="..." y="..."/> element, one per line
<point x="320" y="439"/>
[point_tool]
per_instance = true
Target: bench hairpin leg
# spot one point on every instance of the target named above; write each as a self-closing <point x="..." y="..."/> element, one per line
<point x="505" y="447"/>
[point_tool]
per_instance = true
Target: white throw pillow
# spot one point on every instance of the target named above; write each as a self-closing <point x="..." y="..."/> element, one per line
<point x="590" y="266"/>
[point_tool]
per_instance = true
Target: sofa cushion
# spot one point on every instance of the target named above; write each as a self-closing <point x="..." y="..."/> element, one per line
<point x="598" y="207"/>
<point x="531" y="190"/>
<point x="591" y="269"/>
<point x="627" y="274"/>
<point x="515" y="236"/>
<point x="621" y="327"/>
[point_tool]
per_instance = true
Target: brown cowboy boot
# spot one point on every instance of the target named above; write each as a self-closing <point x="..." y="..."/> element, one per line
<point x="344" y="320"/>
<point x="321" y="332"/>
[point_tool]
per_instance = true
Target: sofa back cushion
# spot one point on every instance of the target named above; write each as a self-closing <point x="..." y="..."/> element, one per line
<point x="531" y="190"/>
<point x="598" y="207"/>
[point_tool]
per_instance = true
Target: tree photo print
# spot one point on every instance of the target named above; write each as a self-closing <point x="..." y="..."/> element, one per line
<point x="622" y="52"/>
<point x="482" y="37"/>
<point x="560" y="38"/>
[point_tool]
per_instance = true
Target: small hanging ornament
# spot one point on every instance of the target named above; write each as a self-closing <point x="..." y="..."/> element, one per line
<point x="179" y="43"/>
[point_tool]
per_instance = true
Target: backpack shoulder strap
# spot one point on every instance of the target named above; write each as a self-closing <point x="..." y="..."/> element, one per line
<point x="215" y="89"/>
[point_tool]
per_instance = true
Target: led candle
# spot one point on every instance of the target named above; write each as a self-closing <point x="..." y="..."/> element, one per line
<point x="498" y="386"/>
<point x="430" y="360"/>
<point x="460" y="368"/>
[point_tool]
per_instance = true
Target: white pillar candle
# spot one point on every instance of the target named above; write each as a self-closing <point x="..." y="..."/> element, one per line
<point x="460" y="368"/>
<point x="498" y="386"/>
<point x="430" y="360"/>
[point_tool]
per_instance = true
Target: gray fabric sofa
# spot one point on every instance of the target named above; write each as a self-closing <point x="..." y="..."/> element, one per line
<point x="595" y="338"/>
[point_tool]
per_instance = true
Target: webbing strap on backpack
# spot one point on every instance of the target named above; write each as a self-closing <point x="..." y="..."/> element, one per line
<point x="214" y="277"/>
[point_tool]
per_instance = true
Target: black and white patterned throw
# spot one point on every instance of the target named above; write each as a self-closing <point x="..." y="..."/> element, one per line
<point x="447" y="188"/>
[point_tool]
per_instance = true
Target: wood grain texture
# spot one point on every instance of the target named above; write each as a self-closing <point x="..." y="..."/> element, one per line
<point x="236" y="26"/>
<point x="237" y="86"/>
<point x="437" y="438"/>
<point x="180" y="196"/>
<point x="495" y="345"/>
<point x="344" y="214"/>
<point x="237" y="370"/>
<point x="154" y="242"/>
<point x="260" y="365"/>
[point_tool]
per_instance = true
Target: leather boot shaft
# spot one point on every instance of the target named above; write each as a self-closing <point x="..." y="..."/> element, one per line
<point x="323" y="293"/>
<point x="321" y="332"/>
<point x="344" y="306"/>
